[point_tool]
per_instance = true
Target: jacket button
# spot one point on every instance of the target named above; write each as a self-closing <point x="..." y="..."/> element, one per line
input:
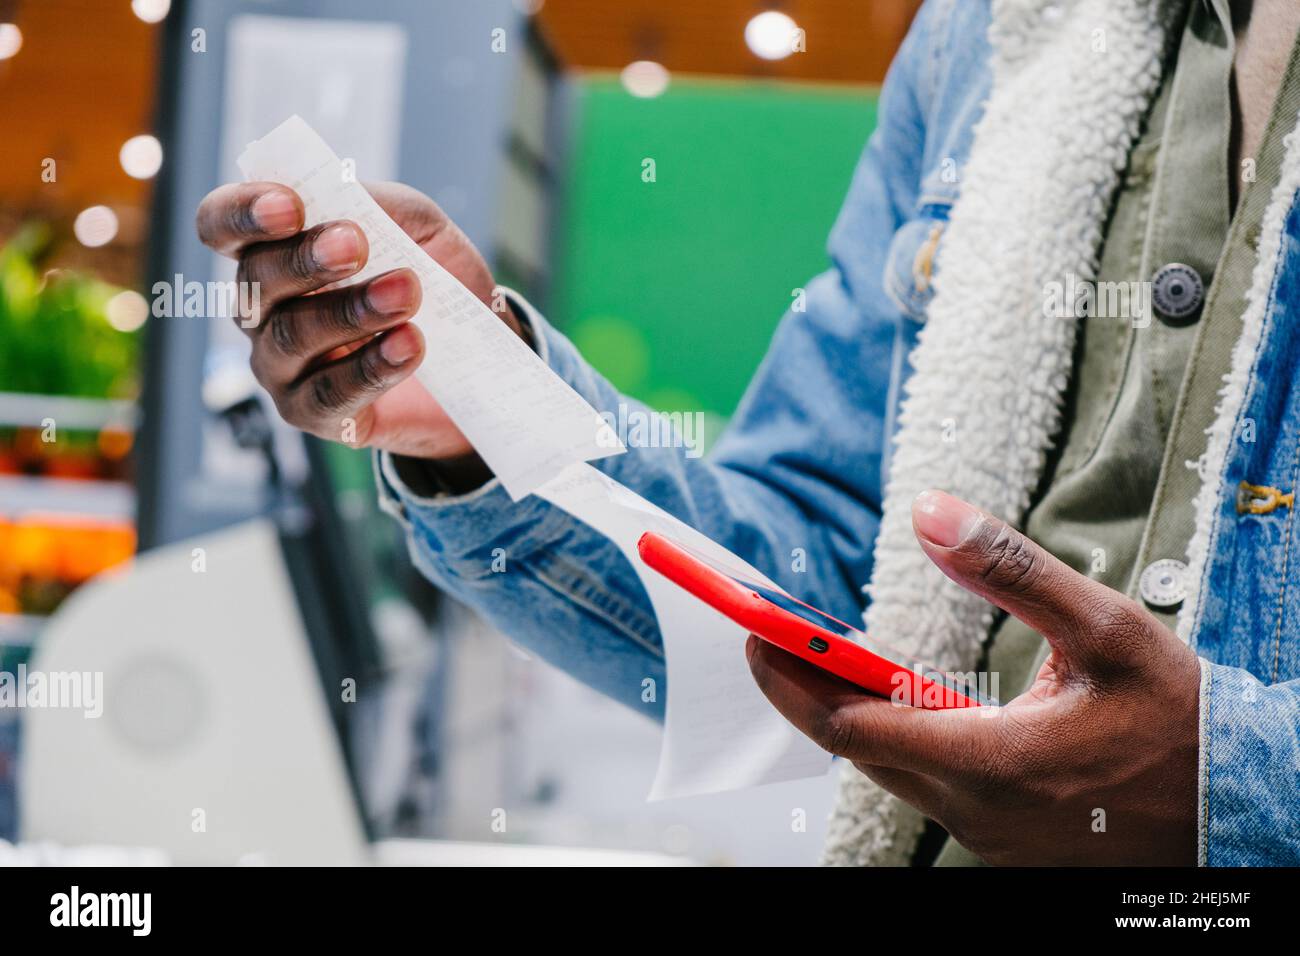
<point x="1163" y="584"/>
<point x="1177" y="292"/>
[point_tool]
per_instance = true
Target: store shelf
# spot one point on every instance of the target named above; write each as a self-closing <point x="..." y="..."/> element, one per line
<point x="110" y="500"/>
<point x="75" y="414"/>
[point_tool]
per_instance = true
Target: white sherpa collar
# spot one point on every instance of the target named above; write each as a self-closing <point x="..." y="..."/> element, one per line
<point x="1071" y="84"/>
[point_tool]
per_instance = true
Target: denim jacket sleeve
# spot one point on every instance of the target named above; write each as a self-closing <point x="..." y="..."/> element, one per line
<point x="1250" y="769"/>
<point x="793" y="486"/>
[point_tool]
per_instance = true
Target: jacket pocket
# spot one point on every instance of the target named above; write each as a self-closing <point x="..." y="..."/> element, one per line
<point x="910" y="265"/>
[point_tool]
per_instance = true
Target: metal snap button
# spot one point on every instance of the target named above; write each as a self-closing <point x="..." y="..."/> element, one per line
<point x="1177" y="292"/>
<point x="1163" y="584"/>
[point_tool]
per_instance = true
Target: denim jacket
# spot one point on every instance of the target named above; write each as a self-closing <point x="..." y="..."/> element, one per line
<point x="804" y="464"/>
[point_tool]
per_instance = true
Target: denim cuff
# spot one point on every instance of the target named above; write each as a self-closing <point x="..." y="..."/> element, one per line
<point x="1249" y="770"/>
<point x="1202" y="763"/>
<point x="458" y="525"/>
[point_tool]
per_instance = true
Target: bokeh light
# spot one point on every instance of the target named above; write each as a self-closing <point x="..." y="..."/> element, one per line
<point x="645" y="78"/>
<point x="141" y="156"/>
<point x="151" y="11"/>
<point x="771" y="35"/>
<point x="96" y="226"/>
<point x="127" y="311"/>
<point x="11" y="40"/>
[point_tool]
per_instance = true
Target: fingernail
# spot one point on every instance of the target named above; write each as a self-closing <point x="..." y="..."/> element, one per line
<point x="276" y="213"/>
<point x="338" y="248"/>
<point x="942" y="519"/>
<point x="399" y="345"/>
<point x="391" y="294"/>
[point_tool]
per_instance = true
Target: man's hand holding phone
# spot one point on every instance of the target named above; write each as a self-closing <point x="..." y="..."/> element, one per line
<point x="1096" y="763"/>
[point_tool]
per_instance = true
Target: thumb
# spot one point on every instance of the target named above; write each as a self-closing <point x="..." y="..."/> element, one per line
<point x="1092" y="627"/>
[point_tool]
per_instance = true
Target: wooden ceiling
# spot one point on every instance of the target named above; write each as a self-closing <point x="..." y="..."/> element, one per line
<point x="848" y="41"/>
<point x="80" y="87"/>
<point x="83" y="82"/>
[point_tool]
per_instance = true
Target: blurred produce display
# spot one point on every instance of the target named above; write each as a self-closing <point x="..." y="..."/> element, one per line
<point x="42" y="558"/>
<point x="68" y="381"/>
<point x="55" y="330"/>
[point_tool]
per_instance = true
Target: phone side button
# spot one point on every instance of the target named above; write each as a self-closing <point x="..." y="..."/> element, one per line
<point x="819" y="644"/>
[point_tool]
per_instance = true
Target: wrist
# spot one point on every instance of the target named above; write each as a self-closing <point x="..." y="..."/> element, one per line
<point x="432" y="478"/>
<point x="519" y="325"/>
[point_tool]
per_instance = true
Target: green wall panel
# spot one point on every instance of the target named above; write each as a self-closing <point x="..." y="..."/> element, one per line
<point x="672" y="288"/>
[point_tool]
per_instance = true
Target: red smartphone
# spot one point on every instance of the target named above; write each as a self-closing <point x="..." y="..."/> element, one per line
<point x="802" y="630"/>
